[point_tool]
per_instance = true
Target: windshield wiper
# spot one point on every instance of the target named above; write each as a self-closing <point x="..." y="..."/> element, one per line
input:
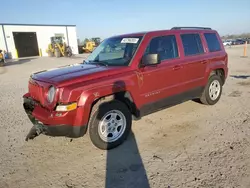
<point x="103" y="63"/>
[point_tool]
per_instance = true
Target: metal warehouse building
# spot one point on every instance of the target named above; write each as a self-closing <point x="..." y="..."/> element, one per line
<point x="26" y="40"/>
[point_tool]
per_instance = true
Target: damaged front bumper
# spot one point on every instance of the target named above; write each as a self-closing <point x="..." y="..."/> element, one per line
<point x="40" y="127"/>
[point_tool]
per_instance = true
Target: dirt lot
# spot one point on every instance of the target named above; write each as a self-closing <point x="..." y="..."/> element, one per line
<point x="189" y="145"/>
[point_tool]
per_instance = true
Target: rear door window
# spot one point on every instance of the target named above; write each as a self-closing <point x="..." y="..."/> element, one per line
<point x="212" y="42"/>
<point x="165" y="46"/>
<point x="192" y="44"/>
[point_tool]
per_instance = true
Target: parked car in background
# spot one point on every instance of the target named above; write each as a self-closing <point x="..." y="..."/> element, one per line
<point x="247" y="40"/>
<point x="238" y="42"/>
<point x="227" y="43"/>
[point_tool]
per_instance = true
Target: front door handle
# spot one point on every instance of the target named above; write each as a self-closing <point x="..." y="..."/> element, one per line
<point x="204" y="61"/>
<point x="177" y="67"/>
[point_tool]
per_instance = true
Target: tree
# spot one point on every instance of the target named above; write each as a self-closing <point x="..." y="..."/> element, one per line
<point x="85" y="40"/>
<point x="243" y="35"/>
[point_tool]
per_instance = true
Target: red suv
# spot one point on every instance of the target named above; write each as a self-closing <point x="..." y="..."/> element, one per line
<point x="127" y="77"/>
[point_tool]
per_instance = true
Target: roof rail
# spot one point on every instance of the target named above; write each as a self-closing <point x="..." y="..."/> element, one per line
<point x="176" y="28"/>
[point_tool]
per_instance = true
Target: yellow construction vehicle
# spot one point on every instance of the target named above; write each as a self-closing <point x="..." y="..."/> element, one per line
<point x="58" y="48"/>
<point x="2" y="61"/>
<point x="90" y="45"/>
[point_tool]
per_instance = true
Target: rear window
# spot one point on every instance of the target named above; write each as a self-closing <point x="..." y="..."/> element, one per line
<point x="192" y="44"/>
<point x="212" y="42"/>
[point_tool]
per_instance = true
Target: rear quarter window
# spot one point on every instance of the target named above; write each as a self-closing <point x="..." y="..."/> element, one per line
<point x="212" y="42"/>
<point x="192" y="44"/>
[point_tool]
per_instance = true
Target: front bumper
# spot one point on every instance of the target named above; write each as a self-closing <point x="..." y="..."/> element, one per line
<point x="50" y="123"/>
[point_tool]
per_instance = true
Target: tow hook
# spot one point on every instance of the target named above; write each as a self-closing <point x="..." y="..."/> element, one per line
<point x="35" y="131"/>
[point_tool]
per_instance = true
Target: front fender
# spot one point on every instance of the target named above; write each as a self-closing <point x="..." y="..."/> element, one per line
<point x="88" y="97"/>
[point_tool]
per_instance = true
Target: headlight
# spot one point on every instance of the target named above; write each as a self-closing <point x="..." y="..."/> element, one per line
<point x="67" y="107"/>
<point x="51" y="94"/>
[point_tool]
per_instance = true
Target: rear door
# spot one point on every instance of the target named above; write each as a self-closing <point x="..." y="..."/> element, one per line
<point x="195" y="60"/>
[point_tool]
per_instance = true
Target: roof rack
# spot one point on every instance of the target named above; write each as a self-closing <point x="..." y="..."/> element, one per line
<point x="177" y="28"/>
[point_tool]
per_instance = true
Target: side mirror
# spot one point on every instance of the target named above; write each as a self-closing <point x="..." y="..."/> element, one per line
<point x="150" y="59"/>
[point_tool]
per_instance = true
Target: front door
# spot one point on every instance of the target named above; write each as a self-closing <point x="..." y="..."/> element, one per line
<point x="163" y="80"/>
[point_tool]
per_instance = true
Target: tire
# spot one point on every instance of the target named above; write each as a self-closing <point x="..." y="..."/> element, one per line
<point x="104" y="111"/>
<point x="1" y="63"/>
<point x="50" y="54"/>
<point x="207" y="97"/>
<point x="57" y="53"/>
<point x="69" y="52"/>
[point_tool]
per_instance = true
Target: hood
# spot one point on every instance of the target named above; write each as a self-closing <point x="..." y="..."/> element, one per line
<point x="74" y="73"/>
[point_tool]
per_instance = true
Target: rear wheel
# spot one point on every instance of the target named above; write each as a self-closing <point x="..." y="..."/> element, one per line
<point x="68" y="52"/>
<point x="212" y="92"/>
<point x="110" y="124"/>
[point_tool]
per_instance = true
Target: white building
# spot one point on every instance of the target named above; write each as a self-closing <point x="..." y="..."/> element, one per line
<point x="25" y="40"/>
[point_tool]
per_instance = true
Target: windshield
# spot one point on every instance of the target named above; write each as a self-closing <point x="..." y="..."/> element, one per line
<point x="116" y="51"/>
<point x="56" y="40"/>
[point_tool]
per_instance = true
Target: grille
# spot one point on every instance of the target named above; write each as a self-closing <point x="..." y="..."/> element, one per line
<point x="35" y="91"/>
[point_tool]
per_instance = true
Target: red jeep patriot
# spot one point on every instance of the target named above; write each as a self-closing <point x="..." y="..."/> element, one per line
<point x="127" y="76"/>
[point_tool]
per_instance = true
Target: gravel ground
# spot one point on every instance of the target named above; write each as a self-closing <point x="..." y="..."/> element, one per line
<point x="189" y="145"/>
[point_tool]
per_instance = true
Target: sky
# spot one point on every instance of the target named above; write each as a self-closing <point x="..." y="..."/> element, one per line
<point x="104" y="18"/>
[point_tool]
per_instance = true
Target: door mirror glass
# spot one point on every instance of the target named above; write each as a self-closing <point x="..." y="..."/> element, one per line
<point x="150" y="59"/>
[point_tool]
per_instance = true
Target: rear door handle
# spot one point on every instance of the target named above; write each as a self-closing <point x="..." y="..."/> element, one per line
<point x="177" y="67"/>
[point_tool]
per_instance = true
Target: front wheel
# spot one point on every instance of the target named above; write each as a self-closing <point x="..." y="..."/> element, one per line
<point x="212" y="92"/>
<point x="57" y="53"/>
<point x="69" y="52"/>
<point x="1" y="62"/>
<point x="110" y="125"/>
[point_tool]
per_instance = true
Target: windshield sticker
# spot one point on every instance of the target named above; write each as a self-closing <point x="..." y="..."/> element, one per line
<point x="130" y="40"/>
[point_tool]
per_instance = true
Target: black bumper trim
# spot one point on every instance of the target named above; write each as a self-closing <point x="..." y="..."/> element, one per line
<point x="64" y="130"/>
<point x="59" y="130"/>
